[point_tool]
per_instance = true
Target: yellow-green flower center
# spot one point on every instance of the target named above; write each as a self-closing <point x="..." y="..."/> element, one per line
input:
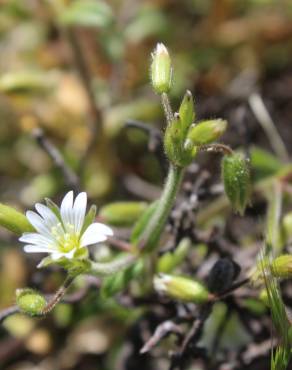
<point x="67" y="239"/>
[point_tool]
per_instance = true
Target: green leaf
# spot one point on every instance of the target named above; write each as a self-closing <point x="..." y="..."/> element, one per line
<point x="31" y="82"/>
<point x="122" y="213"/>
<point x="273" y="223"/>
<point x="169" y="261"/>
<point x="119" y="281"/>
<point x="263" y="163"/>
<point x="142" y="222"/>
<point x="13" y="220"/>
<point x="89" y="13"/>
<point x="149" y="22"/>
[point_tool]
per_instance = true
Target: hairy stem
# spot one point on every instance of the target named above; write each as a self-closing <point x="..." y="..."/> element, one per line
<point x="154" y="228"/>
<point x="109" y="268"/>
<point x="167" y="108"/>
<point x="58" y="295"/>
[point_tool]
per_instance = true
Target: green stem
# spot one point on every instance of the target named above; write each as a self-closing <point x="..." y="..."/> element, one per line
<point x="151" y="235"/>
<point x="109" y="268"/>
<point x="167" y="108"/>
<point x="58" y="295"/>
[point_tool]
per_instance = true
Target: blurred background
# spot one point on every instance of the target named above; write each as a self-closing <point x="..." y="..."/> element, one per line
<point x="74" y="75"/>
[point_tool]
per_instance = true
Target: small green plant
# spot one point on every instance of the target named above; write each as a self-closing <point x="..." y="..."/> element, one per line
<point x="66" y="233"/>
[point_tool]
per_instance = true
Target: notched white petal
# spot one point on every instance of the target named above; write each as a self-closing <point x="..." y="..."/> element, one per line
<point x="29" y="248"/>
<point x="38" y="223"/>
<point x="95" y="233"/>
<point x="66" y="209"/>
<point x="79" y="210"/>
<point x="50" y="219"/>
<point x="37" y="239"/>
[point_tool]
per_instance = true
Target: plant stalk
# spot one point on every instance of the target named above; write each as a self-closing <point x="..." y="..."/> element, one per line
<point x="151" y="235"/>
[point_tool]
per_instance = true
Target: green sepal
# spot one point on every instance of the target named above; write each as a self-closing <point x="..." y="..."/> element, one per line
<point x="89" y="218"/>
<point x="173" y="140"/>
<point x="30" y="301"/>
<point x="186" y="113"/>
<point x="54" y="208"/>
<point x="75" y="266"/>
<point x="236" y="178"/>
<point x="179" y="151"/>
<point x="122" y="213"/>
<point x="14" y="220"/>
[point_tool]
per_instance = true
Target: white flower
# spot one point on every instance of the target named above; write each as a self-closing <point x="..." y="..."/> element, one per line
<point x="61" y="234"/>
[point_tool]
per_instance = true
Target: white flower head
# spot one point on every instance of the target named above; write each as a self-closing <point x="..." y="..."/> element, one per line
<point x="62" y="232"/>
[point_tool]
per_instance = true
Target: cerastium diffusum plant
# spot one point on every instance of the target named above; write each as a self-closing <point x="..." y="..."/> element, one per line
<point x="66" y="232"/>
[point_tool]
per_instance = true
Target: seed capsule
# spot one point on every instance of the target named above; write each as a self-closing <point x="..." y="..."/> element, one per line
<point x="236" y="178"/>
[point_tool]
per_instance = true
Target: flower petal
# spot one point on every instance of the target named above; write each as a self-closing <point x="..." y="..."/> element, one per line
<point x="36" y="249"/>
<point x="37" y="239"/>
<point x="66" y="209"/>
<point x="48" y="215"/>
<point x="95" y="233"/>
<point x="38" y="223"/>
<point x="57" y="255"/>
<point x="79" y="210"/>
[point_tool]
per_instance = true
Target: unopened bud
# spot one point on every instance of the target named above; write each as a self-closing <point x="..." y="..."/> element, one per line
<point x="263" y="296"/>
<point x="281" y="266"/>
<point x="236" y="178"/>
<point x="287" y="226"/>
<point x="207" y="132"/>
<point x="30" y="301"/>
<point x="161" y="70"/>
<point x="181" y="288"/>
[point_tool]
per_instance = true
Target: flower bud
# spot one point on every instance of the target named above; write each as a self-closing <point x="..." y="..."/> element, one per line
<point x="181" y="288"/>
<point x="281" y="266"/>
<point x="161" y="70"/>
<point x="30" y="301"/>
<point x="287" y="226"/>
<point x="122" y="213"/>
<point x="13" y="220"/>
<point x="206" y="132"/>
<point x="186" y="113"/>
<point x="236" y="178"/>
